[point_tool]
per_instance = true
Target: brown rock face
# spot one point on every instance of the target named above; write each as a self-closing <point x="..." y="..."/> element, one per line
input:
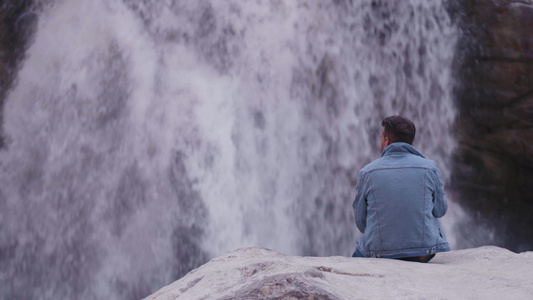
<point x="493" y="165"/>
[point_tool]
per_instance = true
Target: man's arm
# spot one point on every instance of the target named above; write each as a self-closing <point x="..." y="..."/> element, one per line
<point x="359" y="204"/>
<point x="439" y="198"/>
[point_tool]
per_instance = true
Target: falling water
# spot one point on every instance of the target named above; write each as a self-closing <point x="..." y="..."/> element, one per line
<point x="145" y="137"/>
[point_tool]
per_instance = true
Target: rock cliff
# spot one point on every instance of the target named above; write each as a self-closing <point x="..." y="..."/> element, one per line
<point x="493" y="164"/>
<point x="258" y="273"/>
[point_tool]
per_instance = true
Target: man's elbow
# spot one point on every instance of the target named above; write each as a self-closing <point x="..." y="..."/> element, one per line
<point x="439" y="213"/>
<point x="361" y="226"/>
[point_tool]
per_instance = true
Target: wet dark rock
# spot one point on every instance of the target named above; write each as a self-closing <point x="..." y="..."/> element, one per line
<point x="493" y="163"/>
<point x="17" y="24"/>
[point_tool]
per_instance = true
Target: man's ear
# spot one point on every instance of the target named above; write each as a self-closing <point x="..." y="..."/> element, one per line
<point x="387" y="141"/>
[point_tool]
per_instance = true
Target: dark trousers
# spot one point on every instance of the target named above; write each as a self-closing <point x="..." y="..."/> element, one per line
<point x="420" y="259"/>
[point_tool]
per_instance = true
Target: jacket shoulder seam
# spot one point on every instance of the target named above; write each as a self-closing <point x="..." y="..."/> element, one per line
<point x="400" y="167"/>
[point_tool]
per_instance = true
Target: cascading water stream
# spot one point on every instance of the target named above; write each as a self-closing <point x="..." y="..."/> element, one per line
<point x="145" y="137"/>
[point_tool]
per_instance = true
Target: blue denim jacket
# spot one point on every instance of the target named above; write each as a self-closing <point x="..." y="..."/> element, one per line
<point x="399" y="198"/>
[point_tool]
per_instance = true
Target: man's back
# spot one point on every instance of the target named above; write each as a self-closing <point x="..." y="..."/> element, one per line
<point x="399" y="198"/>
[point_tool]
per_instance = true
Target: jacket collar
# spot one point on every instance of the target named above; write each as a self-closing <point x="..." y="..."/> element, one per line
<point x="400" y="148"/>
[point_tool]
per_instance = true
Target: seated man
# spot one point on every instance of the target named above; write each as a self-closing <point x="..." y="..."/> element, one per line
<point x="399" y="198"/>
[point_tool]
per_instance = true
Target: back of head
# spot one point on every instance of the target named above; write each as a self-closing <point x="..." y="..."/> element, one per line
<point x="399" y="129"/>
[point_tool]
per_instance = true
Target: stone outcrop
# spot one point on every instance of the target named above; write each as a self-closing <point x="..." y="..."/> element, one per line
<point x="493" y="164"/>
<point x="258" y="273"/>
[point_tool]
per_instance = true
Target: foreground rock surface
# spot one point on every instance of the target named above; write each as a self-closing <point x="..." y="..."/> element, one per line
<point x="258" y="273"/>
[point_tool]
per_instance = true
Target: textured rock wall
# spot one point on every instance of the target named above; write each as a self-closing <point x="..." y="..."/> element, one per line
<point x="493" y="165"/>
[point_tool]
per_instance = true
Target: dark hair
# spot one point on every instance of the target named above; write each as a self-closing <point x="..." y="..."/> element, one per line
<point x="399" y="129"/>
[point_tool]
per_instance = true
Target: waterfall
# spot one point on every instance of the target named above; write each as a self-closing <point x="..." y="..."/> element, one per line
<point x="145" y="137"/>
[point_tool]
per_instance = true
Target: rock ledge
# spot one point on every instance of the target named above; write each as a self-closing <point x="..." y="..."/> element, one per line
<point x="258" y="273"/>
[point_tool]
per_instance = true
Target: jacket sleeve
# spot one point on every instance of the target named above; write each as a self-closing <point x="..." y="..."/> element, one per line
<point x="359" y="204"/>
<point x="439" y="197"/>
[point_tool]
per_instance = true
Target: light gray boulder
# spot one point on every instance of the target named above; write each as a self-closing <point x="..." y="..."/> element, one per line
<point x="258" y="273"/>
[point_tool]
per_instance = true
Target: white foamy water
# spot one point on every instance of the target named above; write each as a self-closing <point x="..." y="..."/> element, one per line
<point x="145" y="137"/>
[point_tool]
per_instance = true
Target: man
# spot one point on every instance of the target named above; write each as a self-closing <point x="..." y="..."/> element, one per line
<point x="399" y="198"/>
